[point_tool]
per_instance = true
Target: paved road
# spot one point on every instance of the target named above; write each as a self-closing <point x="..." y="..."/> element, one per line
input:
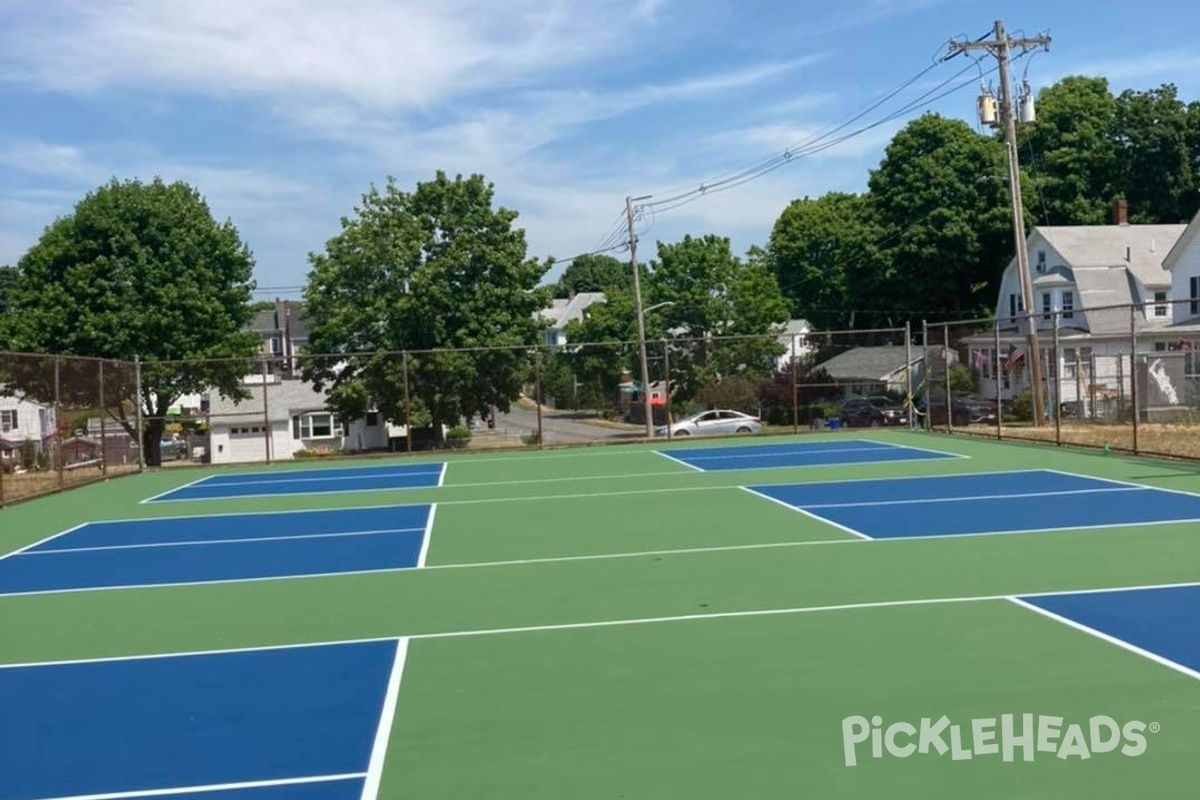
<point x="558" y="427"/>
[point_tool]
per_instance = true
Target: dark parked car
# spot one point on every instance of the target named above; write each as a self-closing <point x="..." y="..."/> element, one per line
<point x="872" y="412"/>
<point x="965" y="408"/>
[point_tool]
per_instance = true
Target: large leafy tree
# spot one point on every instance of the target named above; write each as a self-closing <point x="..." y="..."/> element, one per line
<point x="1072" y="153"/>
<point x="137" y="270"/>
<point x="822" y="253"/>
<point x="430" y="272"/>
<point x="941" y="203"/>
<point x="8" y="282"/>
<point x="594" y="273"/>
<point x="1152" y="147"/>
<point x="714" y="294"/>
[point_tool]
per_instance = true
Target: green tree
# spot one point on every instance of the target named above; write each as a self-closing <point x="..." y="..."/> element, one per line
<point x="712" y="294"/>
<point x="1072" y="153"/>
<point x="941" y="204"/>
<point x="138" y="269"/>
<point x="594" y="273"/>
<point x="430" y="272"/>
<point x="822" y="254"/>
<point x="1152" y="149"/>
<point x="8" y="282"/>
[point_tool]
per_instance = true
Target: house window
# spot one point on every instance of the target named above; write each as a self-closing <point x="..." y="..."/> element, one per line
<point x="314" y="425"/>
<point x="373" y="419"/>
<point x="1016" y="304"/>
<point x="1194" y="294"/>
<point x="1068" y="305"/>
<point x="1160" y="304"/>
<point x="8" y="420"/>
<point x="276" y="346"/>
<point x="1047" y="306"/>
<point x="1041" y="261"/>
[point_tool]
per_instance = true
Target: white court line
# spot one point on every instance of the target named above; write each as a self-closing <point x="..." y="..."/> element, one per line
<point x="43" y="540"/>
<point x="428" y="535"/>
<point x="1124" y="483"/>
<point x="1121" y="643"/>
<point x="386" y="717"/>
<point x="632" y="621"/>
<point x="972" y="498"/>
<point x="441" y="481"/>
<point x="836" y="465"/>
<point x="340" y="510"/>
<point x="679" y="461"/>
<point x="201" y="542"/>
<point x="928" y="450"/>
<point x="798" y="450"/>
<point x="285" y="481"/>
<point x="213" y="787"/>
<point x="818" y="518"/>
<point x="176" y="489"/>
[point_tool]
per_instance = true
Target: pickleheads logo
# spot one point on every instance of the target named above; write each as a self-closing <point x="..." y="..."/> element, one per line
<point x="1028" y="734"/>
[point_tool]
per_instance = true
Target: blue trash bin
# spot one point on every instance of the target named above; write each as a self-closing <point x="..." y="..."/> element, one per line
<point x="834" y="424"/>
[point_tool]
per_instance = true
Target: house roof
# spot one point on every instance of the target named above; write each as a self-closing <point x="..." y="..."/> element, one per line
<point x="1139" y="248"/>
<point x="564" y="310"/>
<point x="285" y="398"/>
<point x="871" y="363"/>
<point x="285" y="314"/>
<point x="1184" y="240"/>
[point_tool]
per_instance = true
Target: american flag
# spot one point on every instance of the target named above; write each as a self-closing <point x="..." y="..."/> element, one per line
<point x="1015" y="356"/>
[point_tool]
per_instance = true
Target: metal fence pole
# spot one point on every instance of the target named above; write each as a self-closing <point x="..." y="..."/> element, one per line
<point x="266" y="413"/>
<point x="103" y="428"/>
<point x="998" y="380"/>
<point x="58" y="461"/>
<point x="1055" y="371"/>
<point x="926" y="423"/>
<point x="1133" y="375"/>
<point x="908" y="383"/>
<point x="945" y="361"/>
<point x="667" y="386"/>
<point x="795" y="386"/>
<point x="537" y="392"/>
<point x="137" y="411"/>
<point x="408" y="431"/>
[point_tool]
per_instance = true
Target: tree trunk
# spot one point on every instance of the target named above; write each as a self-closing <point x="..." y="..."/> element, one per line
<point x="152" y="441"/>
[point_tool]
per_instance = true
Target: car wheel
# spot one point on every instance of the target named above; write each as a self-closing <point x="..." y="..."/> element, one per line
<point x="682" y="433"/>
<point x="744" y="429"/>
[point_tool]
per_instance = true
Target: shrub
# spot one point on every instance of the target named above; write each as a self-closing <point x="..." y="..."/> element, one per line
<point x="458" y="437"/>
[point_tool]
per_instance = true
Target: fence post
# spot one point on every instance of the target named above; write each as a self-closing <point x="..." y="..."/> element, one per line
<point x="537" y="392"/>
<point x="667" y="387"/>
<point x="408" y="432"/>
<point x="1055" y="371"/>
<point x="266" y="413"/>
<point x="103" y="430"/>
<point x="908" y="385"/>
<point x="795" y="386"/>
<point x="58" y="460"/>
<point x="137" y="411"/>
<point x="945" y="359"/>
<point x="926" y="423"/>
<point x="1133" y="375"/>
<point x="998" y="380"/>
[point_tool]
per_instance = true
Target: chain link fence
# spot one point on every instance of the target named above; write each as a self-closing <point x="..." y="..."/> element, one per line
<point x="1121" y="378"/>
<point x="65" y="422"/>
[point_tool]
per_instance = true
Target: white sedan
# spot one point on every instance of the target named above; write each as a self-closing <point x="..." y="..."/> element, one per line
<point x="713" y="423"/>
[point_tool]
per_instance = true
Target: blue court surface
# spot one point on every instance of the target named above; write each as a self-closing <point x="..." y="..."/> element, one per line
<point x="205" y="549"/>
<point x="295" y="722"/>
<point x="1157" y="621"/>
<point x="826" y="453"/>
<point x="308" y="481"/>
<point x="999" y="502"/>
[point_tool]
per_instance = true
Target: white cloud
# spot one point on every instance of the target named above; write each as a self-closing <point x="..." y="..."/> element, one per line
<point x="1170" y="63"/>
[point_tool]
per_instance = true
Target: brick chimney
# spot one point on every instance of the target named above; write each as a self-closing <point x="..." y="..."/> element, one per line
<point x="1121" y="211"/>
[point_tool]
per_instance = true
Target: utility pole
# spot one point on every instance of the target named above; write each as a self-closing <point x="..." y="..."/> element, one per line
<point x="1001" y="48"/>
<point x="641" y="318"/>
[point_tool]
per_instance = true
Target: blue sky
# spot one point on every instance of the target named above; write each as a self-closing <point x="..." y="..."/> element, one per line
<point x="282" y="112"/>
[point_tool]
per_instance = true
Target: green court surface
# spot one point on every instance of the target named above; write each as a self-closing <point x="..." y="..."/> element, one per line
<point x="608" y="623"/>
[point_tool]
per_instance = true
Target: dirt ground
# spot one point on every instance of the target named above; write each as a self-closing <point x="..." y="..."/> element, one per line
<point x="1169" y="439"/>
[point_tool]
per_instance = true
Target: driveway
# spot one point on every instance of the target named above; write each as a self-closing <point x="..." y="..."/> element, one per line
<point x="558" y="427"/>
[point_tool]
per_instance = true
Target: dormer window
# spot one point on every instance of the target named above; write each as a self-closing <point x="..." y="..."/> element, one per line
<point x="1160" y="304"/>
<point x="1068" y="305"/>
<point x="1041" y="261"/>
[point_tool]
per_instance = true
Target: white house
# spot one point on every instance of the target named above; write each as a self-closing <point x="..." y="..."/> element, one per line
<point x="295" y="419"/>
<point x="1096" y="284"/>
<point x="21" y="421"/>
<point x="563" y="311"/>
<point x="794" y="338"/>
